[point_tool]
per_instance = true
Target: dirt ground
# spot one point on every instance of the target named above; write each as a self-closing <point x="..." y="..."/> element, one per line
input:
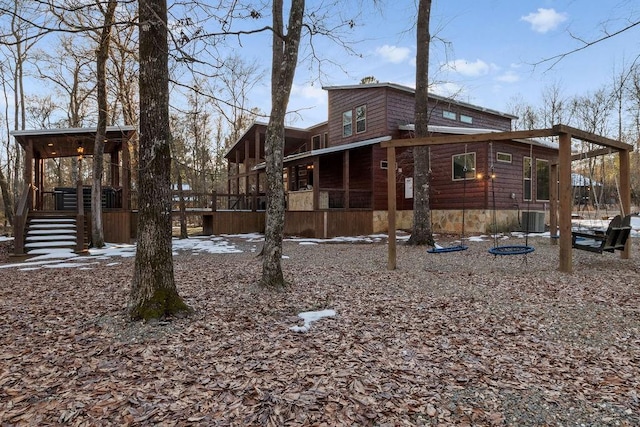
<point x="464" y="338"/>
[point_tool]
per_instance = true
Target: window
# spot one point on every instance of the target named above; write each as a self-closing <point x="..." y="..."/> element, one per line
<point x="315" y="142"/>
<point x="347" y="125"/>
<point x="449" y="115"/>
<point x="361" y="119"/>
<point x="464" y="166"/>
<point x="325" y="140"/>
<point x="542" y="179"/>
<point x="503" y="157"/>
<point x="384" y="164"/>
<point x="526" y="177"/>
<point x="466" y="119"/>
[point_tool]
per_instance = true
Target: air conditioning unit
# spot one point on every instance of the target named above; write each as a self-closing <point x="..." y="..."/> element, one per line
<point x="533" y="221"/>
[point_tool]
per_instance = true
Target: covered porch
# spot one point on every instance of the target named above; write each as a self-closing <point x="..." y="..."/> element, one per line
<point x="46" y="202"/>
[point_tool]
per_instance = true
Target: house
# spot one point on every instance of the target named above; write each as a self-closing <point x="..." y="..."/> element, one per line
<point x="335" y="173"/>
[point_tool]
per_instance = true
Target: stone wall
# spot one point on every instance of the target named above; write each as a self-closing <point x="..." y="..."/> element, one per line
<point x="476" y="221"/>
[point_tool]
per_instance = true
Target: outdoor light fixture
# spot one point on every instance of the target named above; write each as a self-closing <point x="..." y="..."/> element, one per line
<point x="80" y="151"/>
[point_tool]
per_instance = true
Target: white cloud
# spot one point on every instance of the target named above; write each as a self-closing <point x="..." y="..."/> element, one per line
<point x="508" y="77"/>
<point x="471" y="69"/>
<point x="308" y="91"/>
<point x="446" y="89"/>
<point x="544" y="20"/>
<point x="394" y="54"/>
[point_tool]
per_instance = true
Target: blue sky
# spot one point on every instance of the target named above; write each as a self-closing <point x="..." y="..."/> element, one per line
<point x="488" y="54"/>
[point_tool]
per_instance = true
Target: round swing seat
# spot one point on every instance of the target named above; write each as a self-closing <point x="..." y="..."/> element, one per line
<point x="447" y="249"/>
<point x="511" y="250"/>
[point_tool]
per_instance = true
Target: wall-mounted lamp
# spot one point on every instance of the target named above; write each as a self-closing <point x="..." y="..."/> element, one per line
<point x="480" y="175"/>
<point x="80" y="151"/>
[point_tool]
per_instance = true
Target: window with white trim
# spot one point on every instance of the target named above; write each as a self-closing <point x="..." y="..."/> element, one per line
<point x="361" y="119"/>
<point x="503" y="157"/>
<point x="526" y="178"/>
<point x="463" y="166"/>
<point x="347" y="123"/>
<point x="542" y="179"/>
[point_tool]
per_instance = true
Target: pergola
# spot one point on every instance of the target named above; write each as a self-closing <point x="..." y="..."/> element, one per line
<point x="560" y="194"/>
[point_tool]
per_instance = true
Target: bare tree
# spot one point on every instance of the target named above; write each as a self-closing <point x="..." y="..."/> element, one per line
<point x="153" y="290"/>
<point x="97" y="232"/>
<point x="283" y="66"/>
<point x="422" y="233"/>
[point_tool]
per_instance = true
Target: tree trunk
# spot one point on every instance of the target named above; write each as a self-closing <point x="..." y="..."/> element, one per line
<point x="283" y="67"/>
<point x="183" y="209"/>
<point x="422" y="233"/>
<point x="6" y="198"/>
<point x="153" y="291"/>
<point x="97" y="231"/>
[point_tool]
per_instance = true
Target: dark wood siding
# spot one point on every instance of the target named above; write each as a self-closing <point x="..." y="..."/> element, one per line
<point x="347" y="100"/>
<point x="474" y="194"/>
<point x="338" y="223"/>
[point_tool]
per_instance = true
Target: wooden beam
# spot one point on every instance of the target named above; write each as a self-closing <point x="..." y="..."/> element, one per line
<point x="591" y="137"/>
<point x="345" y="177"/>
<point x="593" y="153"/>
<point x="477" y="137"/>
<point x="391" y="207"/>
<point x="553" y="204"/>
<point x="625" y="194"/>
<point x="564" y="191"/>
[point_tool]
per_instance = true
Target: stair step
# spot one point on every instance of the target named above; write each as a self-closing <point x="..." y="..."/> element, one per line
<point x="53" y="244"/>
<point x="50" y="231"/>
<point x="50" y="238"/>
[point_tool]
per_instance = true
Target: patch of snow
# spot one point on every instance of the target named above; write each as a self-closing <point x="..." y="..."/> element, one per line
<point x="5" y="238"/>
<point x="310" y="317"/>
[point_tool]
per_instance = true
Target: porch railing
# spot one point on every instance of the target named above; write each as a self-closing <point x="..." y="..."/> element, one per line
<point x="20" y="219"/>
<point x="337" y="199"/>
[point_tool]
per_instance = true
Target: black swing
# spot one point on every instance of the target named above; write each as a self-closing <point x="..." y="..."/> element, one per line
<point x="614" y="239"/>
<point x="508" y="249"/>
<point x="453" y="248"/>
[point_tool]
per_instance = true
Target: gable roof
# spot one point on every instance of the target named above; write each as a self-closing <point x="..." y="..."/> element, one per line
<point x="412" y="91"/>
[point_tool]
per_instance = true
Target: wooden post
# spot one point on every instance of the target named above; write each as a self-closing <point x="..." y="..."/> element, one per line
<point x="79" y="212"/>
<point x="391" y="207"/>
<point x="316" y="183"/>
<point x="625" y="194"/>
<point x="126" y="176"/>
<point x="564" y="191"/>
<point x="553" y="204"/>
<point x="345" y="178"/>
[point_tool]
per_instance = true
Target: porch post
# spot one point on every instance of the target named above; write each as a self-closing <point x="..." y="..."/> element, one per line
<point x="553" y="204"/>
<point x="316" y="183"/>
<point x="564" y="178"/>
<point x="28" y="172"/>
<point x="345" y="177"/>
<point x="79" y="209"/>
<point x="391" y="207"/>
<point x="115" y="169"/>
<point x="126" y="176"/>
<point x="625" y="194"/>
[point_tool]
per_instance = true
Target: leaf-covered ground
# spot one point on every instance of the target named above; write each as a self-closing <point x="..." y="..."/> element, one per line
<point x="446" y="339"/>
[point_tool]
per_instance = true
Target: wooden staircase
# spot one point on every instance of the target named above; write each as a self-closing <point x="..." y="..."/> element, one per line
<point x="45" y="232"/>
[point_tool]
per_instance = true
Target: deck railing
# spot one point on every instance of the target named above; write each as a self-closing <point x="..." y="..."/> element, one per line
<point x="20" y="219"/>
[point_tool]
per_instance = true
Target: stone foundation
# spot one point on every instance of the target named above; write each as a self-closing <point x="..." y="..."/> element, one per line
<point x="476" y="221"/>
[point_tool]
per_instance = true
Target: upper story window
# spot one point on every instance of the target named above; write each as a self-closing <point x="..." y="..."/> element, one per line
<point x="347" y="123"/>
<point x="449" y="115"/>
<point x="466" y="119"/>
<point x="361" y="119"/>
<point x="463" y="166"/>
<point x="316" y="143"/>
